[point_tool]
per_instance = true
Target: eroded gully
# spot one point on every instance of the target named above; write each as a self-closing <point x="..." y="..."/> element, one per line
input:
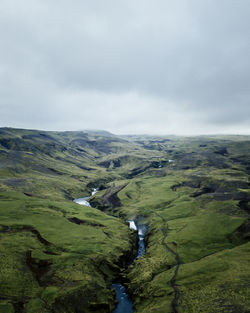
<point x="124" y="303"/>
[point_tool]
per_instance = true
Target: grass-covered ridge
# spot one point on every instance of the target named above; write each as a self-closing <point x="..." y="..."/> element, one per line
<point x="57" y="256"/>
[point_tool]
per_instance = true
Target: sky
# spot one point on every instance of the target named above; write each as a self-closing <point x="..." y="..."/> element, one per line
<point x="129" y="67"/>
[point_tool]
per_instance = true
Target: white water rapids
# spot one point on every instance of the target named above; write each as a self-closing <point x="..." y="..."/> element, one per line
<point x="83" y="201"/>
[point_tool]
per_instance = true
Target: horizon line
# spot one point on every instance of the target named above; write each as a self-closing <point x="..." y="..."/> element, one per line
<point x="128" y="134"/>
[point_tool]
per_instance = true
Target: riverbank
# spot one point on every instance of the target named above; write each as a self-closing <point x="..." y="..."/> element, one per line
<point x="124" y="303"/>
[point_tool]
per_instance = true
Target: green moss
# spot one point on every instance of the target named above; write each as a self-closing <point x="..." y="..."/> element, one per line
<point x="36" y="305"/>
<point x="6" y="308"/>
<point x="217" y="283"/>
<point x="191" y="205"/>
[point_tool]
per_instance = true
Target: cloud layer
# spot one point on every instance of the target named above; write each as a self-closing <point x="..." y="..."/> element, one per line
<point x="159" y="66"/>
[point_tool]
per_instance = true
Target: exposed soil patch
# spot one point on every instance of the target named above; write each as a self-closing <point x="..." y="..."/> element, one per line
<point x="39" y="237"/>
<point x="27" y="228"/>
<point x="28" y="194"/>
<point x="50" y="253"/>
<point x="128" y="195"/>
<point x="77" y="221"/>
<point x="38" y="267"/>
<point x="110" y="197"/>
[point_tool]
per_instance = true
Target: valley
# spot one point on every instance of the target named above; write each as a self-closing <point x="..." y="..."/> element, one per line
<point x="192" y="193"/>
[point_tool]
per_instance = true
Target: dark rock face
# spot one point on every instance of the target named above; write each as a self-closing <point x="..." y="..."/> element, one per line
<point x="116" y="163"/>
<point x="204" y="190"/>
<point x="135" y="172"/>
<point x="110" y="197"/>
<point x="195" y="183"/>
<point x="220" y="190"/>
<point x="244" y="205"/>
<point x="243" y="232"/>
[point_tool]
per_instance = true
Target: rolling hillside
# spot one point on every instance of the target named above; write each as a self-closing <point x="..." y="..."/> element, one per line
<point x="57" y="256"/>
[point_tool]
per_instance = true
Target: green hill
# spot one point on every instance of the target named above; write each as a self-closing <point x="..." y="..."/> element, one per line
<point x="58" y="256"/>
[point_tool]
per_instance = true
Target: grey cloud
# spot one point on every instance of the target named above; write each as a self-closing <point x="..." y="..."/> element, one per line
<point x="126" y="66"/>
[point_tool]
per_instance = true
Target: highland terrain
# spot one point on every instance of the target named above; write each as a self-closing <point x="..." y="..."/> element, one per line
<point x="59" y="257"/>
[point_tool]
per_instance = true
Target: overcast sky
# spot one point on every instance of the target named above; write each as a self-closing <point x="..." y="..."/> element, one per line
<point x="132" y="66"/>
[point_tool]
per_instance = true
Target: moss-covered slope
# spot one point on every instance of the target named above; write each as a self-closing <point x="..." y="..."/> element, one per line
<point x="57" y="256"/>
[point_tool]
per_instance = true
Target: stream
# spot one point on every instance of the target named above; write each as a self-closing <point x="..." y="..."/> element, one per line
<point x="124" y="303"/>
<point x="83" y="201"/>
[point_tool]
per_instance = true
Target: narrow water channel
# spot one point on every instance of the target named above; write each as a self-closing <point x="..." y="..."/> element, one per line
<point x="83" y="201"/>
<point x="124" y="303"/>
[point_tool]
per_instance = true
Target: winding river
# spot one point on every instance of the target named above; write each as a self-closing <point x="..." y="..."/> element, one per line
<point x="83" y="201"/>
<point x="124" y="303"/>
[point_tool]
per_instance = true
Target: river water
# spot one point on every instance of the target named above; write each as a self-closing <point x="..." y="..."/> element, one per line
<point x="83" y="201"/>
<point x="124" y="305"/>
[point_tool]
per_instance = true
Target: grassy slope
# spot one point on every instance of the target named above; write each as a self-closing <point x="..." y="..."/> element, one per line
<point x="196" y="227"/>
<point x="195" y="208"/>
<point x="75" y="256"/>
<point x="72" y="266"/>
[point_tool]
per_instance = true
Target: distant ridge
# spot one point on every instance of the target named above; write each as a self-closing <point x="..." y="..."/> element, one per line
<point x="98" y="132"/>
